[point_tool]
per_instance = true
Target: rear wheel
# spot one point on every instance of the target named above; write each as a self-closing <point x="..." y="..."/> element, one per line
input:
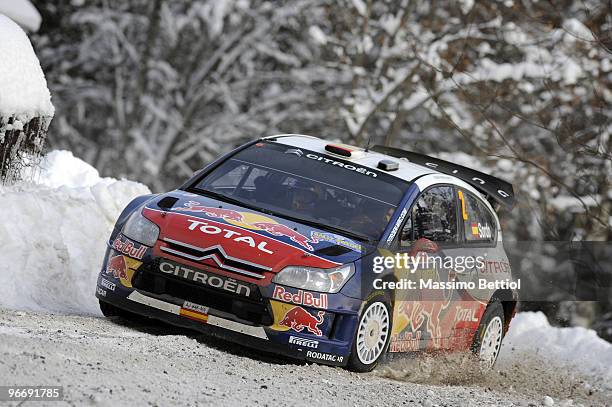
<point x="488" y="338"/>
<point x="372" y="335"/>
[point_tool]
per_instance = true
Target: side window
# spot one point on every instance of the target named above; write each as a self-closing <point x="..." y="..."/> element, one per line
<point x="433" y="216"/>
<point x="477" y="221"/>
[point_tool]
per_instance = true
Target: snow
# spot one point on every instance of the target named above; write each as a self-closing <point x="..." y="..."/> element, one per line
<point x="577" y="29"/>
<point x="466" y="5"/>
<point x="54" y="232"/>
<point x="317" y="34"/>
<point x="22" y="12"/>
<point x="23" y="88"/>
<point x="572" y="204"/>
<point x="577" y="348"/>
<point x="61" y="168"/>
<point x="360" y="6"/>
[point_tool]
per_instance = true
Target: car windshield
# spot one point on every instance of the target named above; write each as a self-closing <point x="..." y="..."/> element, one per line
<point x="334" y="194"/>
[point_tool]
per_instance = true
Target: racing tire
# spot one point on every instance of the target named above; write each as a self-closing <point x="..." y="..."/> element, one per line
<point x="372" y="335"/>
<point x="110" y="311"/>
<point x="489" y="335"/>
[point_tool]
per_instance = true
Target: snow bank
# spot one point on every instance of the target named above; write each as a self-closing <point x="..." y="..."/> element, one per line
<point x="530" y="335"/>
<point x="62" y="169"/>
<point x="22" y="12"/>
<point x="23" y="88"/>
<point x="53" y="235"/>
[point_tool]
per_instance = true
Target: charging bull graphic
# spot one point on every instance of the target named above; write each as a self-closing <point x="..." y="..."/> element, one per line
<point x="427" y="315"/>
<point x="219" y="213"/>
<point x="278" y="229"/>
<point x="117" y="267"/>
<point x="298" y="318"/>
<point x="122" y="268"/>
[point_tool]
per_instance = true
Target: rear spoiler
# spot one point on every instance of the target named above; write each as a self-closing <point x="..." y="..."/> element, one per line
<point x="494" y="188"/>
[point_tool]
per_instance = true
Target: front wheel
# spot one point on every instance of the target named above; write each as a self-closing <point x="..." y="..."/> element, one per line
<point x="488" y="338"/>
<point x="372" y="336"/>
<point x="110" y="311"/>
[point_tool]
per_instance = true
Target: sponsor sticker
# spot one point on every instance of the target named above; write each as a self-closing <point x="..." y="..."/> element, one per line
<point x="298" y="319"/>
<point x="328" y="357"/>
<point x="122" y="268"/>
<point x="107" y="284"/>
<point x="302" y="297"/>
<point x="346" y="166"/>
<point x="129" y="248"/>
<point x="465" y="314"/>
<point x="205" y="279"/>
<point x="194" y="311"/>
<point x="218" y="213"/>
<point x="317" y="237"/>
<point x="101" y="291"/>
<point x="278" y="229"/>
<point x="233" y="235"/>
<point x="117" y="267"/>
<point x="249" y="221"/>
<point x="195" y="307"/>
<point x="481" y="231"/>
<point x="397" y="225"/>
<point x="308" y="343"/>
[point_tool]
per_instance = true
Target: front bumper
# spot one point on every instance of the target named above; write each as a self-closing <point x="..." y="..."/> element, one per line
<point x="328" y="342"/>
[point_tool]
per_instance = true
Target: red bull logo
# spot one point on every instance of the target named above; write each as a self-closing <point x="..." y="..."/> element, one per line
<point x="129" y="248"/>
<point x="305" y="298"/>
<point x="277" y="229"/>
<point x="218" y="213"/>
<point x="117" y="267"/>
<point x="297" y="318"/>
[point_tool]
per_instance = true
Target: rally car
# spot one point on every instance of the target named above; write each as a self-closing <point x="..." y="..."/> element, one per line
<point x="294" y="245"/>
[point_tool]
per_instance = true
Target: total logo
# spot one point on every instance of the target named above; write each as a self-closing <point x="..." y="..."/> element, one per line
<point x="247" y="220"/>
<point x="465" y="314"/>
<point x="237" y="237"/>
<point x="305" y="298"/>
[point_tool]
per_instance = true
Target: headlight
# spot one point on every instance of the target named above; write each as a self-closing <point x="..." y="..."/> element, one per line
<point x="141" y="229"/>
<point x="314" y="279"/>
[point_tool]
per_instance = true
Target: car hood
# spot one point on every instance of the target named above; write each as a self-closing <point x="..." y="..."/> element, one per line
<point x="224" y="235"/>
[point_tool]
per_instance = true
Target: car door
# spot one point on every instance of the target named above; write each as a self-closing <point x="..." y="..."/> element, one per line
<point x="429" y="232"/>
<point x="478" y="233"/>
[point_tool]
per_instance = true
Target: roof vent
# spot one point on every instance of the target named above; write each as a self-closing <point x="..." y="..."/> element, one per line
<point x="388" y="165"/>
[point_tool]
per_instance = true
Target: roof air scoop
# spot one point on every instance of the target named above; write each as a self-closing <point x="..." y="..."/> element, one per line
<point x="388" y="165"/>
